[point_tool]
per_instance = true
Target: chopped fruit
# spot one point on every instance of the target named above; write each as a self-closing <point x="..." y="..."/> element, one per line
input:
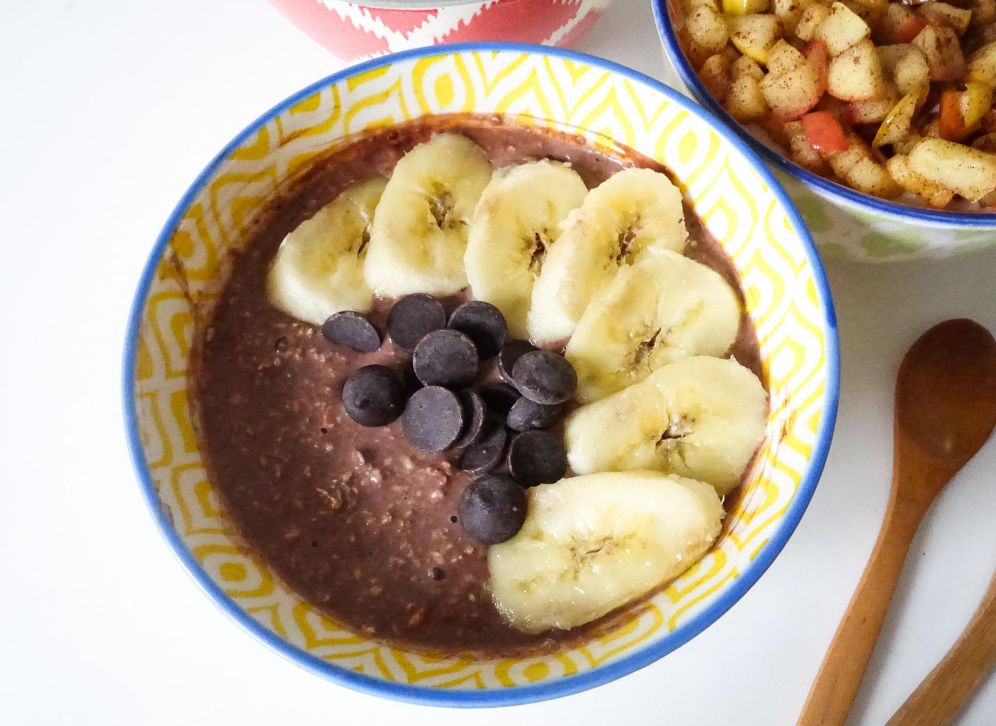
<point x="755" y="35"/>
<point x="824" y="131"/>
<point x="715" y="74"/>
<point x="899" y="24"/>
<point x="591" y="544"/>
<point x="791" y="94"/>
<point x="818" y="57"/>
<point x="707" y="31"/>
<point x="811" y="19"/>
<point x="801" y="151"/>
<point x="784" y="58"/>
<point x="700" y="417"/>
<point x="873" y="112"/>
<point x="961" y="111"/>
<point x="842" y="29"/>
<point x="745" y="102"/>
<point x="943" y="52"/>
<point x="944" y="15"/>
<point x="856" y="74"/>
<point x="842" y="86"/>
<point x="744" y="7"/>
<point x="897" y="122"/>
<point x="933" y="195"/>
<point x="962" y="169"/>
<point x="982" y="65"/>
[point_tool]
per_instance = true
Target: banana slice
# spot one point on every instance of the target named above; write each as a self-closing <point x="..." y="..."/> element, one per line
<point x="660" y="309"/>
<point x="699" y="417"/>
<point x="318" y="269"/>
<point x="419" y="234"/>
<point x="591" y="544"/>
<point x="516" y="222"/>
<point x="631" y="211"/>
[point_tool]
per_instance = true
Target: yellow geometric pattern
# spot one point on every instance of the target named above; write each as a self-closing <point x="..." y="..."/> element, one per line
<point x="734" y="202"/>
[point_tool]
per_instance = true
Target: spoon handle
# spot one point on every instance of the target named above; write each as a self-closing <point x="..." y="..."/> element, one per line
<point x="843" y="666"/>
<point x="941" y="695"/>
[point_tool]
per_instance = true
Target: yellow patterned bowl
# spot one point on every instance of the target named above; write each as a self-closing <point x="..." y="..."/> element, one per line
<point x="742" y="205"/>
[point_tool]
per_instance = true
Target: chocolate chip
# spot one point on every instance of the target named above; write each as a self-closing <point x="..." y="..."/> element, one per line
<point x="433" y="418"/>
<point x="537" y="457"/>
<point x="373" y="396"/>
<point x="474" y="413"/>
<point x="445" y="358"/>
<point x="544" y="377"/>
<point x="413" y="317"/>
<point x="492" y="508"/>
<point x="526" y="415"/>
<point x="483" y="323"/>
<point x="511" y="352"/>
<point x="499" y="397"/>
<point x="437" y="573"/>
<point x="352" y="330"/>
<point x="281" y="344"/>
<point x="488" y="452"/>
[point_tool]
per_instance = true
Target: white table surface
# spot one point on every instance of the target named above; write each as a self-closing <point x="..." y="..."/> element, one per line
<point x="109" y="109"/>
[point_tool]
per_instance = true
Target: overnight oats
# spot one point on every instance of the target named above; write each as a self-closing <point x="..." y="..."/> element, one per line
<point x="475" y="387"/>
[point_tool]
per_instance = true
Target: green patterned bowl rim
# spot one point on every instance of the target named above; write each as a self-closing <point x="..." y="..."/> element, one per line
<point x="641" y="656"/>
<point x="838" y="192"/>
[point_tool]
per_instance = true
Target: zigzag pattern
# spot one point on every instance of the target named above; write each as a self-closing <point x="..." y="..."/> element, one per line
<point x="735" y="204"/>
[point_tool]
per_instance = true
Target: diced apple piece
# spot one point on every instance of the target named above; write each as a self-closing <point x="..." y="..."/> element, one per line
<point x="744" y="101"/>
<point x="800" y="150"/>
<point x="986" y="142"/>
<point x="962" y="169"/>
<point x="932" y="194"/>
<point x="824" y="132"/>
<point x="791" y="94"/>
<point x="707" y="31"/>
<point x="789" y="12"/>
<point x="961" y="112"/>
<point x="872" y="112"/>
<point x="942" y="48"/>
<point x="856" y="74"/>
<point x="982" y="65"/>
<point x="784" y="58"/>
<point x="908" y="67"/>
<point x="755" y="35"/>
<point x="818" y="58"/>
<point x="945" y="15"/>
<point x="899" y="24"/>
<point x="812" y="17"/>
<point x="898" y="121"/>
<point x="842" y="29"/>
<point x="745" y="7"/>
<point x="858" y="168"/>
<point x="715" y="76"/>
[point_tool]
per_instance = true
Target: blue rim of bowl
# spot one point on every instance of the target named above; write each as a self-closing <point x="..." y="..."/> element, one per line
<point x="505" y="696"/>
<point x="905" y="212"/>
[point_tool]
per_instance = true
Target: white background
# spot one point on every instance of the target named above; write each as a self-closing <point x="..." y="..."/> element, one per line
<point x="109" y="110"/>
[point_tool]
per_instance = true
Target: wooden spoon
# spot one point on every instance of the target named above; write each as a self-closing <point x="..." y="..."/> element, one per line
<point x="945" y="410"/>
<point x="941" y="695"/>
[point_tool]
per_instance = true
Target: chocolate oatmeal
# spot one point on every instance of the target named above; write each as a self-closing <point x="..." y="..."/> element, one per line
<point x="357" y="520"/>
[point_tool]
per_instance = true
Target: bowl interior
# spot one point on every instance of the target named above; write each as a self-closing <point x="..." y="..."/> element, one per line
<point x="738" y="200"/>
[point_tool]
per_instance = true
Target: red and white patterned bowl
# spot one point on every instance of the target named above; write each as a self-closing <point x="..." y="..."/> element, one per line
<point x="356" y="30"/>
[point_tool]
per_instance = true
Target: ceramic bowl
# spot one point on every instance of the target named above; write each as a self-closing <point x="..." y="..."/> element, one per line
<point x="730" y="189"/>
<point x="845" y="223"/>
<point x="358" y="29"/>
